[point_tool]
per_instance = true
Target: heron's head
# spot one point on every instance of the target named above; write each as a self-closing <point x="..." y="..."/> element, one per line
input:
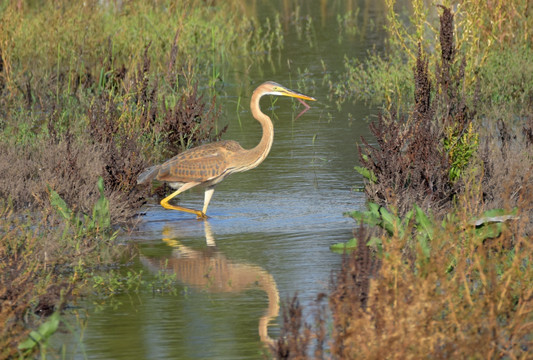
<point x="272" y="88"/>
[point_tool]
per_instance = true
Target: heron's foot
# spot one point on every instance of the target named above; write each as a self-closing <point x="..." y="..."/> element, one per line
<point x="201" y="216"/>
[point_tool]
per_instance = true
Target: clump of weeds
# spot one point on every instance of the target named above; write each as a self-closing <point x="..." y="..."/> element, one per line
<point x="419" y="157"/>
<point x="44" y="259"/>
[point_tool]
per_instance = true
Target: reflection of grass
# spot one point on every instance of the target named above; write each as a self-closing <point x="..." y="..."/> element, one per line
<point x="92" y="93"/>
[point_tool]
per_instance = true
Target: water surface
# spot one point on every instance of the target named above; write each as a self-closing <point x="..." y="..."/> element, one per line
<point x="269" y="230"/>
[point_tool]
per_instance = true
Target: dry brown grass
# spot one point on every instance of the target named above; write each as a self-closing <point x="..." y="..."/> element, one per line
<point x="507" y="155"/>
<point x="69" y="167"/>
<point x="478" y="310"/>
<point x="467" y="300"/>
<point x="17" y="282"/>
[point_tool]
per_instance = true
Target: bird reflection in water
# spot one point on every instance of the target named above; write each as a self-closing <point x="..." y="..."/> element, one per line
<point x="210" y="270"/>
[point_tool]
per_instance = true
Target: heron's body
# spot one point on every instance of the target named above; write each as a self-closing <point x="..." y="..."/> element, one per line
<point x="209" y="164"/>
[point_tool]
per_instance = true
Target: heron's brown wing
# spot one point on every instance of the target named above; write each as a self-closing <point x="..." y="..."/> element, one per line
<point x="199" y="164"/>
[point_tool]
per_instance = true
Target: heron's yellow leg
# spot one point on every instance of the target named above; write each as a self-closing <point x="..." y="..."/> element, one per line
<point x="166" y="205"/>
<point x="167" y="238"/>
<point x="179" y="248"/>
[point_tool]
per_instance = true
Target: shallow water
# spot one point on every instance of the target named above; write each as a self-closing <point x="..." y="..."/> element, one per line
<point x="270" y="228"/>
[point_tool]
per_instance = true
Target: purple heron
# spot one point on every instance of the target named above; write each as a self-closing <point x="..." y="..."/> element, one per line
<point x="209" y="164"/>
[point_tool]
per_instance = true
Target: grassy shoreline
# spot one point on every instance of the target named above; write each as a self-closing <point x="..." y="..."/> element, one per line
<point x="91" y="93"/>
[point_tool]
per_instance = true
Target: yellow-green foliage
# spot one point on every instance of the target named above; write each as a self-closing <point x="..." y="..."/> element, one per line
<point x="467" y="300"/>
<point x="68" y="37"/>
<point x="484" y="32"/>
<point x="460" y="147"/>
<point x="480" y="27"/>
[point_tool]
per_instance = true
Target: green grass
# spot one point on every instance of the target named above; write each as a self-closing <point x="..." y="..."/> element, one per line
<point x="58" y="56"/>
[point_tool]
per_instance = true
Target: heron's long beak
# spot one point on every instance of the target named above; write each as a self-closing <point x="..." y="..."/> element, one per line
<point x="291" y="93"/>
<point x="288" y="92"/>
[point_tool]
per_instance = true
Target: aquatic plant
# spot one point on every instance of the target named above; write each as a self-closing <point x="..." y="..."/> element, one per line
<point x="100" y="220"/>
<point x="422" y="227"/>
<point x="40" y="336"/>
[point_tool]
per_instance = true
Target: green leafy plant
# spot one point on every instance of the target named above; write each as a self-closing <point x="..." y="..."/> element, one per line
<point x="367" y="174"/>
<point x="41" y="336"/>
<point x="100" y="219"/>
<point x="113" y="282"/>
<point x="422" y="227"/>
<point x="460" y="146"/>
<point x="343" y="247"/>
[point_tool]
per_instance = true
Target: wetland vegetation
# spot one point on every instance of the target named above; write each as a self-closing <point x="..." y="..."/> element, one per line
<point x="440" y="265"/>
<point x="93" y="92"/>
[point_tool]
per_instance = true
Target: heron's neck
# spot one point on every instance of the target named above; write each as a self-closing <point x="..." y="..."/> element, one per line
<point x="260" y="152"/>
